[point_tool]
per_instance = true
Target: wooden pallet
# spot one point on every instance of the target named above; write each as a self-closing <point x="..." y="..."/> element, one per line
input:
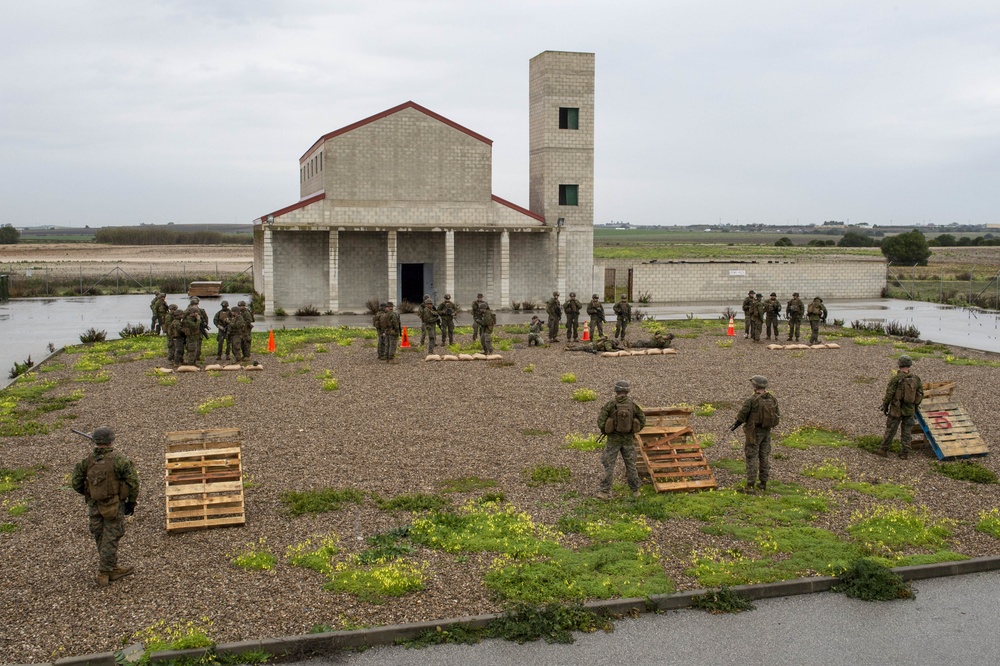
<point x="669" y="452"/>
<point x="946" y="426"/>
<point x="204" y="479"/>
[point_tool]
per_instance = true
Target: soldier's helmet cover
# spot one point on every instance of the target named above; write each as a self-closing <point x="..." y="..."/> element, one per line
<point x="572" y="294"/>
<point x="195" y="300"/>
<point x="225" y="304"/>
<point x="103" y="435"/>
<point x="905" y="361"/>
<point x="621" y="386"/>
<point x="242" y="304"/>
<point x="759" y="381"/>
<point x="594" y="297"/>
<point x="447" y="297"/>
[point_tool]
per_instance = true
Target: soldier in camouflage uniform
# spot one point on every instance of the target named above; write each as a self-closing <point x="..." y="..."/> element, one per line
<point x="753" y="416"/>
<point x="660" y="340"/>
<point x="572" y="309"/>
<point x="420" y="313"/>
<point x="772" y="311"/>
<point x="248" y="318"/>
<point x="159" y="309"/>
<point x="114" y="498"/>
<point x="487" y="320"/>
<point x="747" y="309"/>
<point x="817" y="313"/>
<point x="191" y="326"/>
<point x="618" y="441"/>
<point x="599" y="344"/>
<point x="623" y="314"/>
<point x="553" y="308"/>
<point x="535" y="332"/>
<point x="235" y="331"/>
<point x="447" y="312"/>
<point x="596" y="311"/>
<point x="377" y="323"/>
<point x="175" y="335"/>
<point x="430" y="319"/>
<point x="221" y="321"/>
<point x="757" y="317"/>
<point x="476" y="305"/>
<point x="899" y="408"/>
<point x="392" y="328"/>
<point x="793" y="312"/>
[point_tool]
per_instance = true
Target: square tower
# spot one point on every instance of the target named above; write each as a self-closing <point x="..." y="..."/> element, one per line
<point x="561" y="142"/>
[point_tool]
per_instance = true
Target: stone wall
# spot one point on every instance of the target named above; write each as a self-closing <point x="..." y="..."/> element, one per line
<point x="302" y="259"/>
<point x="363" y="270"/>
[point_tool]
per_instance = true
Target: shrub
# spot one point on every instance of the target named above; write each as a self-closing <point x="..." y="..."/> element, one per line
<point x="964" y="470"/>
<point x="584" y="395"/>
<point x="568" y="378"/>
<point x="93" y="335"/>
<point x="307" y="311"/>
<point x="721" y="601"/>
<point x="869" y="580"/>
<point x="529" y="306"/>
<point x="515" y="306"/>
<point x="319" y="501"/>
<point x="406" y="307"/>
<point x="280" y="312"/>
<point x="257" y="303"/>
<point x="133" y="330"/>
<point x="21" y="368"/>
<point x="645" y="297"/>
<point x="372" y="305"/>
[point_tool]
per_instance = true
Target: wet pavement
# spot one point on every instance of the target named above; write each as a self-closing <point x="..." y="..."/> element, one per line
<point x="28" y="326"/>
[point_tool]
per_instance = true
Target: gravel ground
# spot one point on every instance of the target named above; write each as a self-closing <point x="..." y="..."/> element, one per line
<point x="404" y="428"/>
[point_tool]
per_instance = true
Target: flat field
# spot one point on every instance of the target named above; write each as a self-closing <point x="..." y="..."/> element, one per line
<point x="455" y="485"/>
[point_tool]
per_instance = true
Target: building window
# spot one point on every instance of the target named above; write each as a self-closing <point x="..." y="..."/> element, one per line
<point x="569" y="118"/>
<point x="568" y="195"/>
<point x="321" y="161"/>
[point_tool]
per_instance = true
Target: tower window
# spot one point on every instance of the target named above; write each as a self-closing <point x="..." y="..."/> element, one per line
<point x="569" y="118"/>
<point x="568" y="195"/>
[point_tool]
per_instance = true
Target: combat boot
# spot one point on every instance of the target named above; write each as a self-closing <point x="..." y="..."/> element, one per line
<point x="882" y="453"/>
<point x="103" y="578"/>
<point x="762" y="486"/>
<point x="120" y="572"/>
<point x="603" y="495"/>
<point x="904" y="455"/>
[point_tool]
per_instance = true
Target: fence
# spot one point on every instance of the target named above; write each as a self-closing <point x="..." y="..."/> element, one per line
<point x="45" y="281"/>
<point x="4" y="289"/>
<point x="984" y="293"/>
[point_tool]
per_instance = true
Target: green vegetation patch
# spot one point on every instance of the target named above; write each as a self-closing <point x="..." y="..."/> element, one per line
<point x="522" y="623"/>
<point x="543" y="474"/>
<point x="964" y="470"/>
<point x="810" y="436"/>
<point x="533" y="432"/>
<point x="584" y="395"/>
<point x="412" y="502"/>
<point x="989" y="523"/>
<point x="828" y="469"/>
<point x="870" y="580"/>
<point x="319" y="501"/>
<point x="211" y="405"/>
<point x="568" y="378"/>
<point x="959" y="360"/>
<point x="584" y="442"/>
<point x="11" y="478"/>
<point x="625" y="528"/>
<point x="883" y="491"/>
<point x="723" y="600"/>
<point x="492" y="527"/>
<point x="394" y="578"/>
<point x="731" y="465"/>
<point x="315" y="553"/>
<point x="886" y="531"/>
<point x="254" y="556"/>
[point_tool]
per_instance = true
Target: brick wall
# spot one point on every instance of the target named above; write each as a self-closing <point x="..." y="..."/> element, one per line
<point x="363" y="269"/>
<point x="301" y="258"/>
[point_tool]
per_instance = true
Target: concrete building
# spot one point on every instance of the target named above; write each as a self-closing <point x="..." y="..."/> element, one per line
<point x="400" y="204"/>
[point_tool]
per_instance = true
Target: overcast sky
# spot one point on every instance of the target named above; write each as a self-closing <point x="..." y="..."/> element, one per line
<point x="117" y="112"/>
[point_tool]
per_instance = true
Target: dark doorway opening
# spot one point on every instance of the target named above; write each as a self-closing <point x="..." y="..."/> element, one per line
<point x="411" y="283"/>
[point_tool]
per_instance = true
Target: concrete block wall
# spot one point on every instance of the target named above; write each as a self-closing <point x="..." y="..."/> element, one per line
<point x="477" y="267"/>
<point x="301" y="258"/>
<point x="579" y="260"/>
<point x="724" y="281"/>
<point x="532" y="267"/>
<point x="363" y="269"/>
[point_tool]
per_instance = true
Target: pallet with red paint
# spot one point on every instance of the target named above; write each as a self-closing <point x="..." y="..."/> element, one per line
<point x="669" y="452"/>
<point x="946" y="425"/>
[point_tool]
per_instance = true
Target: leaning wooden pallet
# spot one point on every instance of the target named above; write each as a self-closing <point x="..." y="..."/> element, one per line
<point x="946" y="425"/>
<point x="669" y="452"/>
<point x="204" y="479"/>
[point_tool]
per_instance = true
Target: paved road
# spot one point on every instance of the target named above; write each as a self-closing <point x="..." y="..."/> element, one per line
<point x="952" y="621"/>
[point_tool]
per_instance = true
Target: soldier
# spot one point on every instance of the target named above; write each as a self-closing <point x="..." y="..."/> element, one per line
<point x="572" y="309"/>
<point x="623" y="312"/>
<point x="420" y="313"/>
<point x="235" y="331"/>
<point x="378" y="324"/>
<point x="392" y="328"/>
<point x="430" y="319"/>
<point x="747" y="307"/>
<point x="159" y="308"/>
<point x="599" y="344"/>
<point x="794" y="311"/>
<point x="758" y="416"/>
<point x="447" y="312"/>
<point x="535" y="331"/>
<point x="660" y="340"/>
<point x="203" y="331"/>
<point x="247" y="339"/>
<point x="221" y="321"/>
<point x="175" y="334"/>
<point x="904" y="392"/>
<point x="191" y="327"/>
<point x="817" y="313"/>
<point x="553" y="308"/>
<point x="476" y="304"/>
<point x="596" y="311"/>
<point x="109" y="483"/>
<point x="620" y="419"/>
<point x="772" y="312"/>
<point x="756" y="317"/>
<point x="487" y="320"/>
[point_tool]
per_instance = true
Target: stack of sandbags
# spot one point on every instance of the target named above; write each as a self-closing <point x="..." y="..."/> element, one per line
<point x="828" y="345"/>
<point x="463" y="357"/>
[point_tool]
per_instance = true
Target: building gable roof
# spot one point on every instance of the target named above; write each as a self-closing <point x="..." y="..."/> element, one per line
<point x="389" y="112"/>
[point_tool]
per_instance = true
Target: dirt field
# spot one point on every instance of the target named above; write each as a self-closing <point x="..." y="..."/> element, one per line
<point x="406" y="428"/>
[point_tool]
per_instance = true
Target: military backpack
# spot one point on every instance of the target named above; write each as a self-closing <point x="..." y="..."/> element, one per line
<point x="767" y="411"/>
<point x="621" y="420"/>
<point x="909" y="390"/>
<point x="103" y="486"/>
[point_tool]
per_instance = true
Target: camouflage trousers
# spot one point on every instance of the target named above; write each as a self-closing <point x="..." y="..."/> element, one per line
<point x="814" y="331"/>
<point x="447" y="331"/>
<point x="772" y="323"/>
<point x="236" y="346"/>
<point x="553" y="325"/>
<point x="755" y="326"/>
<point x="596" y="325"/>
<point x="487" y="341"/>
<point x="758" y="454"/>
<point x="572" y="327"/>
<point x="245" y="343"/>
<point x="192" y="348"/>
<point x="175" y="349"/>
<point x="534" y="339"/>
<point x="106" y="533"/>
<point x="224" y="340"/>
<point x="391" y="342"/>
<point x="905" y="426"/>
<point x="626" y="447"/>
<point x="381" y="346"/>
<point x="747" y="325"/>
<point x="793" y="329"/>
<point x="620" y="326"/>
<point x="429" y="335"/>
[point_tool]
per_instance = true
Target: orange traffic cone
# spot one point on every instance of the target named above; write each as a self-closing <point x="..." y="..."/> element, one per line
<point x="405" y="344"/>
<point x="731" y="331"/>
<point x="586" y="333"/>
<point x="270" y="341"/>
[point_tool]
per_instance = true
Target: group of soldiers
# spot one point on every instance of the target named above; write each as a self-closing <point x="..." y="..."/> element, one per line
<point x="185" y="329"/>
<point x="757" y="313"/>
<point x="595" y="310"/>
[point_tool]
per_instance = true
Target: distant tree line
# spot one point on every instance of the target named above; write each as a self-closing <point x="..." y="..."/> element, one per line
<point x="165" y="236"/>
<point x="910" y="248"/>
<point x="9" y="235"/>
<point x="949" y="240"/>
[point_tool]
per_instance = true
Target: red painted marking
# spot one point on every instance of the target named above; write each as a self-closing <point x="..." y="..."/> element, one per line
<point x="940" y="420"/>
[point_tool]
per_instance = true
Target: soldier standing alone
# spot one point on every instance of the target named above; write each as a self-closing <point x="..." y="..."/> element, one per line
<point x="430" y="319"/>
<point x="620" y="419"/>
<point x="904" y="392"/>
<point x="623" y="314"/>
<point x="793" y="311"/>
<point x="758" y="415"/>
<point x="772" y="311"/>
<point x="817" y="313"/>
<point x="109" y="483"/>
<point x="553" y="308"/>
<point x="487" y="320"/>
<point x="572" y="309"/>
<point x="476" y="305"/>
<point x="596" y="311"/>
<point x="377" y="323"/>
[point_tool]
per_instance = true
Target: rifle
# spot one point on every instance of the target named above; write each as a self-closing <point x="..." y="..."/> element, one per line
<point x="83" y="434"/>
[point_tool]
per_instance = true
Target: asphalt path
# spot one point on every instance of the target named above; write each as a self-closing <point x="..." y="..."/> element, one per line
<point x="953" y="620"/>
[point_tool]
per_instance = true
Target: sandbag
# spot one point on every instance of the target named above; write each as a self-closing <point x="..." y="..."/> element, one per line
<point x="256" y="367"/>
<point x="466" y="357"/>
<point x="432" y="357"/>
<point x="188" y="368"/>
<point x="819" y="346"/>
<point x="773" y="347"/>
<point x="164" y="371"/>
<point x="479" y="356"/>
<point x="669" y="351"/>
<point x="494" y="357"/>
<point x="214" y="366"/>
<point x="233" y="366"/>
<point x="609" y="353"/>
<point x="449" y="357"/>
<point x="832" y="345"/>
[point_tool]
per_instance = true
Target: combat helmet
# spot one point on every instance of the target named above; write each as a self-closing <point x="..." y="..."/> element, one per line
<point x="103" y="436"/>
<point x="759" y="381"/>
<point x="905" y="361"/>
<point x="225" y="304"/>
<point x="621" y="386"/>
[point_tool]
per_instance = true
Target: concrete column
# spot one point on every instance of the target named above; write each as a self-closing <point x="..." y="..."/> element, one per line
<point x="449" y="263"/>
<point x="334" y="257"/>
<point x="393" y="270"/>
<point x="561" y="262"/>
<point x="490" y="264"/>
<point x="267" y="272"/>
<point x="504" y="270"/>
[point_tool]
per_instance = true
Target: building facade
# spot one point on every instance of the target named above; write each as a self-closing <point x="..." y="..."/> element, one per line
<point x="400" y="204"/>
